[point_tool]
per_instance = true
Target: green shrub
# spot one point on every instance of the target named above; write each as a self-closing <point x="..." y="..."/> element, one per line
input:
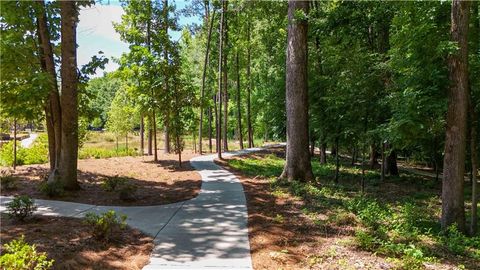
<point x="105" y="224"/>
<point x="52" y="189"/>
<point x="366" y="240"/>
<point x="413" y="258"/>
<point x="113" y="183"/>
<point x="38" y="152"/>
<point x="7" y="181"/>
<point x="21" y="207"/>
<point x="6" y="154"/>
<point x="127" y="191"/>
<point x="95" y="152"/>
<point x="20" y="255"/>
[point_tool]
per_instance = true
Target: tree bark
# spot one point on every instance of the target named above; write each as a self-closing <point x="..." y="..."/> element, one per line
<point x="52" y="108"/>
<point x="219" y="94"/>
<point x="142" y="135"/>
<point x="473" y="126"/>
<point x="69" y="97"/>
<point x="150" y="142"/>
<point x="337" y="161"/>
<point x="239" y="108"/>
<point x="14" y="144"/>
<point x="202" y="92"/>
<point x="297" y="166"/>
<point x="225" y="78"/>
<point x="453" y="209"/>
<point x="391" y="166"/>
<point x="126" y="144"/>
<point x="165" y="54"/>
<point x="249" y="89"/>
<point x="210" y="128"/>
<point x="323" y="153"/>
<point x="382" y="169"/>
<point x="373" y="156"/>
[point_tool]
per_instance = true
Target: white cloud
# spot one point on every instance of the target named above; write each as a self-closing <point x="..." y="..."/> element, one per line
<point x="95" y="33"/>
<point x="97" y="21"/>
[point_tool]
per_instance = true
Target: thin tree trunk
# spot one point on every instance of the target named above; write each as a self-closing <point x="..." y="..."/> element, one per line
<point x="249" y="89"/>
<point x="373" y="156"/>
<point x="165" y="54"/>
<point x="150" y="142"/>
<point x="116" y="139"/>
<point x="210" y="128"/>
<point x="382" y="169"/>
<point x="225" y="79"/>
<point x="142" y="135"/>
<point x="362" y="188"/>
<point x="297" y="166"/>
<point x="453" y="208"/>
<point x="354" y="154"/>
<point x="219" y="95"/>
<point x="323" y="153"/>
<point x="202" y="92"/>
<point x="392" y="167"/>
<point x="337" y="160"/>
<point x="126" y="144"/>
<point x="155" y="148"/>
<point x="14" y="144"/>
<point x="53" y="109"/>
<point x="215" y="100"/>
<point x="239" y="108"/>
<point x="312" y="146"/>
<point x="69" y="97"/>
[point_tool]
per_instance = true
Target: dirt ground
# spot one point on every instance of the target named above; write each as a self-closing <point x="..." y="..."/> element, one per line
<point x="157" y="183"/>
<point x="283" y="237"/>
<point x="70" y="243"/>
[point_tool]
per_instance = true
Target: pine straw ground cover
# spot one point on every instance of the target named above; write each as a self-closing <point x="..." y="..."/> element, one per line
<point x="326" y="226"/>
<point x="154" y="183"/>
<point x="69" y="242"/>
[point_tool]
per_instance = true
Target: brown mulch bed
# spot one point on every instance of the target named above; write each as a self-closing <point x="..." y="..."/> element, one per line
<point x="70" y="243"/>
<point x="158" y="183"/>
<point x="282" y="236"/>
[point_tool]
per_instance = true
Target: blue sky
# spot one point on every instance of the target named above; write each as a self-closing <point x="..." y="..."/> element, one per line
<point x="95" y="32"/>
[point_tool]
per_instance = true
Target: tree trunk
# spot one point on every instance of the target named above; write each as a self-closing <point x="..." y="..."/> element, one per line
<point x="165" y="54"/>
<point x="474" y="161"/>
<point x="323" y="153"/>
<point x="69" y="97"/>
<point x="52" y="108"/>
<point x="219" y="95"/>
<point x="337" y="161"/>
<point x="215" y="100"/>
<point x="392" y="167"/>
<point x="354" y="155"/>
<point x="14" y="144"/>
<point x="150" y="142"/>
<point x="126" y="144"/>
<point x="297" y="166"/>
<point x="166" y="137"/>
<point x="225" y="79"/>
<point x="155" y="148"/>
<point x="453" y="209"/>
<point x="142" y="135"/>
<point x="362" y="188"/>
<point x="239" y="109"/>
<point x="473" y="127"/>
<point x="312" y="146"/>
<point x="202" y="92"/>
<point x="210" y="128"/>
<point x="373" y="156"/>
<point x="249" y="90"/>
<point x="179" y="151"/>
<point x="382" y="169"/>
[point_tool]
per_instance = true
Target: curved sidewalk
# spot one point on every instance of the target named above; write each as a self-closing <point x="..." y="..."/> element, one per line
<point x="206" y="232"/>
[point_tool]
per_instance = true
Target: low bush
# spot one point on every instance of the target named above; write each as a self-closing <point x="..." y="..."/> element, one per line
<point x="7" y="181"/>
<point x="52" y="189"/>
<point x="113" y="183"/>
<point x="95" y="152"/>
<point x="21" y="207"/>
<point x="20" y="255"/>
<point x="36" y="154"/>
<point x="104" y="225"/>
<point x="6" y="154"/>
<point x="127" y="191"/>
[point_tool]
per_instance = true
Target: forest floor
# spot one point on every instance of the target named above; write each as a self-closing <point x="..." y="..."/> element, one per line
<point x="323" y="225"/>
<point x="156" y="183"/>
<point x="70" y="243"/>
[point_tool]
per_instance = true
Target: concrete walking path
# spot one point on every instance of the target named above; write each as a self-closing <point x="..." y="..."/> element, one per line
<point x="26" y="143"/>
<point x="206" y="232"/>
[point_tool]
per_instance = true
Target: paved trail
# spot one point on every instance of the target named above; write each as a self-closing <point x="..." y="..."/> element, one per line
<point x="207" y="232"/>
<point x="26" y="143"/>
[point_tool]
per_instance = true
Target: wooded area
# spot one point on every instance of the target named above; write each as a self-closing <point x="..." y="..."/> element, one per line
<point x="379" y="83"/>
